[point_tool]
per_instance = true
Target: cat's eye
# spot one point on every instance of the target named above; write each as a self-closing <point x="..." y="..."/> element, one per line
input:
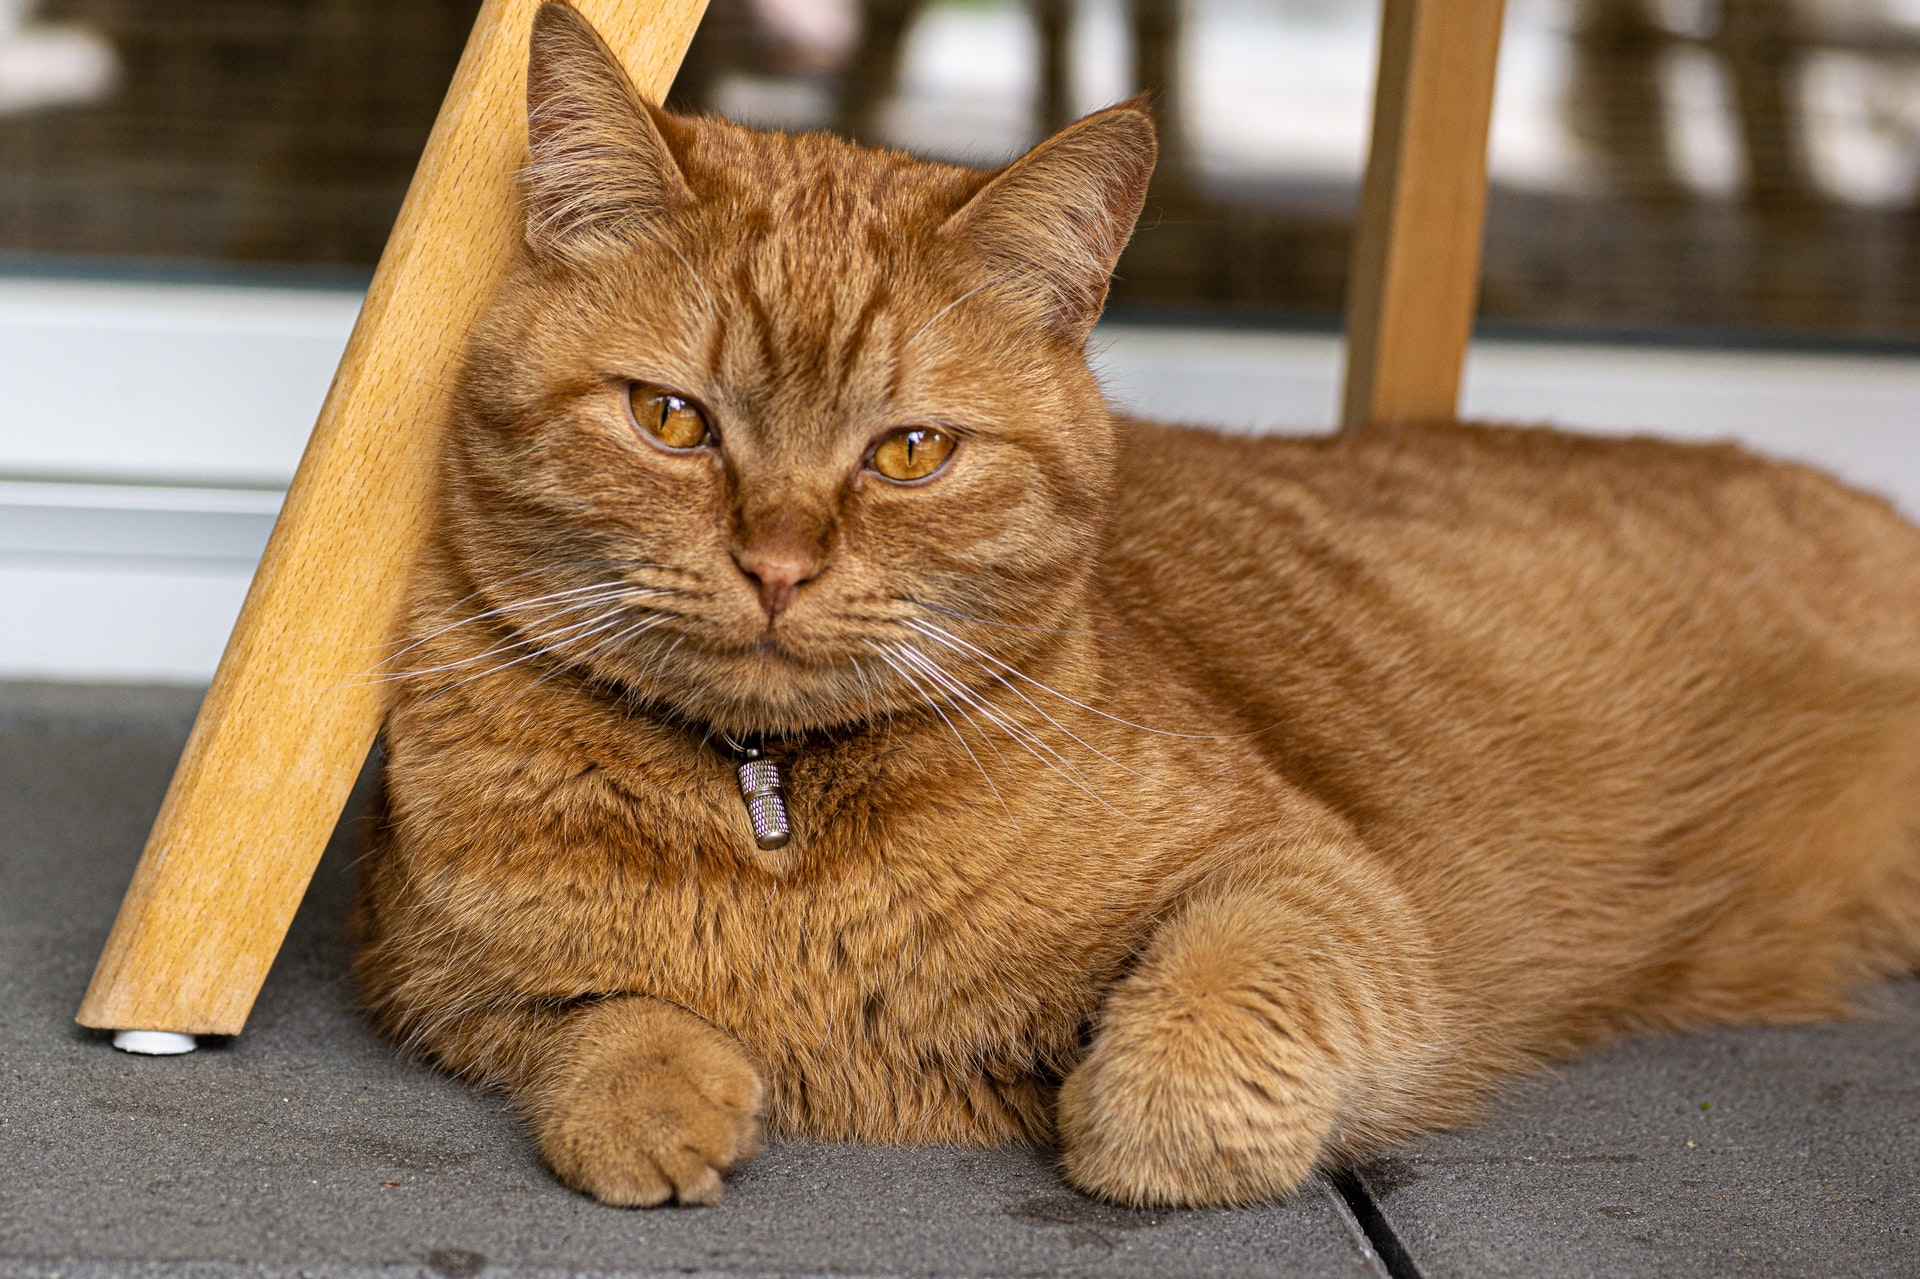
<point x="670" y="419"/>
<point x="912" y="454"/>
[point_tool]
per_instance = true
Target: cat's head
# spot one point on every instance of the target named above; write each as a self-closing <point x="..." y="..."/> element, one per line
<point x="755" y="411"/>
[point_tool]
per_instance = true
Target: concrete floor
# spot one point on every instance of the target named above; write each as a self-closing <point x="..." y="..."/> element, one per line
<point x="304" y="1148"/>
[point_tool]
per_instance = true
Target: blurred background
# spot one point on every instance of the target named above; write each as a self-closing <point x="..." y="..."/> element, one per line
<point x="1704" y="223"/>
<point x="1712" y="166"/>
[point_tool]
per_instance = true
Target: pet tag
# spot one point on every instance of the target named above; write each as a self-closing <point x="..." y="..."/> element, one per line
<point x="766" y="806"/>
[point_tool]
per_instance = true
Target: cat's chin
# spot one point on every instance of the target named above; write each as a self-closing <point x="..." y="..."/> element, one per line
<point x="762" y="690"/>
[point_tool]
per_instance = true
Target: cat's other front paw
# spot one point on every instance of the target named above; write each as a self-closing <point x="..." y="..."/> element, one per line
<point x="1196" y="1092"/>
<point x="652" y="1105"/>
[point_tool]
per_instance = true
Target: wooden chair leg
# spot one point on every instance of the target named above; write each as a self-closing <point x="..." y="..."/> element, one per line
<point x="1416" y="258"/>
<point x="293" y="708"/>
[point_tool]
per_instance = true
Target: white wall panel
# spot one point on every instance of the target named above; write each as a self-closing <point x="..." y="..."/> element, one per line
<point x="194" y="384"/>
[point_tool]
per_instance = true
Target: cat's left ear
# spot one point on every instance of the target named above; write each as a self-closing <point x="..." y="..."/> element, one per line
<point x="599" y="166"/>
<point x="1051" y="225"/>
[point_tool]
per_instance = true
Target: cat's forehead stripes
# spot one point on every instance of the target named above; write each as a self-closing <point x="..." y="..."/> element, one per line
<point x="809" y="310"/>
<point x="799" y="357"/>
<point x="812" y="317"/>
<point x="816" y="247"/>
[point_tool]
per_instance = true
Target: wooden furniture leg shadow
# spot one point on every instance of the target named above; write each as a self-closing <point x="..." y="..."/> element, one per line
<point x="293" y="709"/>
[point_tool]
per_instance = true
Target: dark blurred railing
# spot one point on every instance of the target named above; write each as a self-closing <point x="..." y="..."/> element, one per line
<point x="284" y="131"/>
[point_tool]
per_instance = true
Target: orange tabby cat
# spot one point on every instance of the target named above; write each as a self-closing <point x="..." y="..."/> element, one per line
<point x="1214" y="808"/>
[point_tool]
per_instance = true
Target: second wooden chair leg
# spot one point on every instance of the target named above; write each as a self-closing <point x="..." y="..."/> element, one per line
<point x="1416" y="258"/>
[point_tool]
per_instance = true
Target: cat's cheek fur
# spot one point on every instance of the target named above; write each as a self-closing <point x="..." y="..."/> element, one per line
<point x="643" y="1102"/>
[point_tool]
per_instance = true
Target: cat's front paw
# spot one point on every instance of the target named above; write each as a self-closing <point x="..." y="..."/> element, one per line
<point x="652" y="1105"/>
<point x="1195" y="1094"/>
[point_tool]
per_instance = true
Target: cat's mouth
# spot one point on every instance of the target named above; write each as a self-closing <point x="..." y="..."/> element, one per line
<point x="769" y="646"/>
<point x="792" y="643"/>
<point x="772" y="661"/>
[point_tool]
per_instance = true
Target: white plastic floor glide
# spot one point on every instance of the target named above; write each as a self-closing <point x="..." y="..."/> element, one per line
<point x="154" y="1043"/>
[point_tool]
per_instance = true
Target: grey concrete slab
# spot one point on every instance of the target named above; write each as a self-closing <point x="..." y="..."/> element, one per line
<point x="304" y="1147"/>
<point x="1775" y="1152"/>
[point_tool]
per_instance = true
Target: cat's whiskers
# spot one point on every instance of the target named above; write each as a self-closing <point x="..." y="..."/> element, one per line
<point x="945" y="685"/>
<point x="1023" y="735"/>
<point x="519" y="639"/>
<point x="607" y="588"/>
<point x="936" y="632"/>
<point x="619" y="637"/>
<point x="945" y="638"/>
<point x="1005" y="626"/>
<point x="562" y="602"/>
<point x="533" y="565"/>
<point x="492" y="671"/>
<point x="874" y="709"/>
<point x="881" y="652"/>
<point x="658" y="666"/>
<point x="597" y="624"/>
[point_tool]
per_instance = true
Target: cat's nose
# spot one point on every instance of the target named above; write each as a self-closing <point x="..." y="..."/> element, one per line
<point x="778" y="574"/>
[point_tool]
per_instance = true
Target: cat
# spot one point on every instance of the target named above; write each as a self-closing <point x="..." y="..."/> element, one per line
<point x="1211" y="809"/>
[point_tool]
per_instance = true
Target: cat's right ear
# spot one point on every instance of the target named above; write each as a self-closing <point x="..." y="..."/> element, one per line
<point x="599" y="168"/>
<point x="1052" y="224"/>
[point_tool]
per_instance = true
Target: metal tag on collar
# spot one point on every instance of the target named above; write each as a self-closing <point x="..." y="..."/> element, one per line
<point x="766" y="804"/>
